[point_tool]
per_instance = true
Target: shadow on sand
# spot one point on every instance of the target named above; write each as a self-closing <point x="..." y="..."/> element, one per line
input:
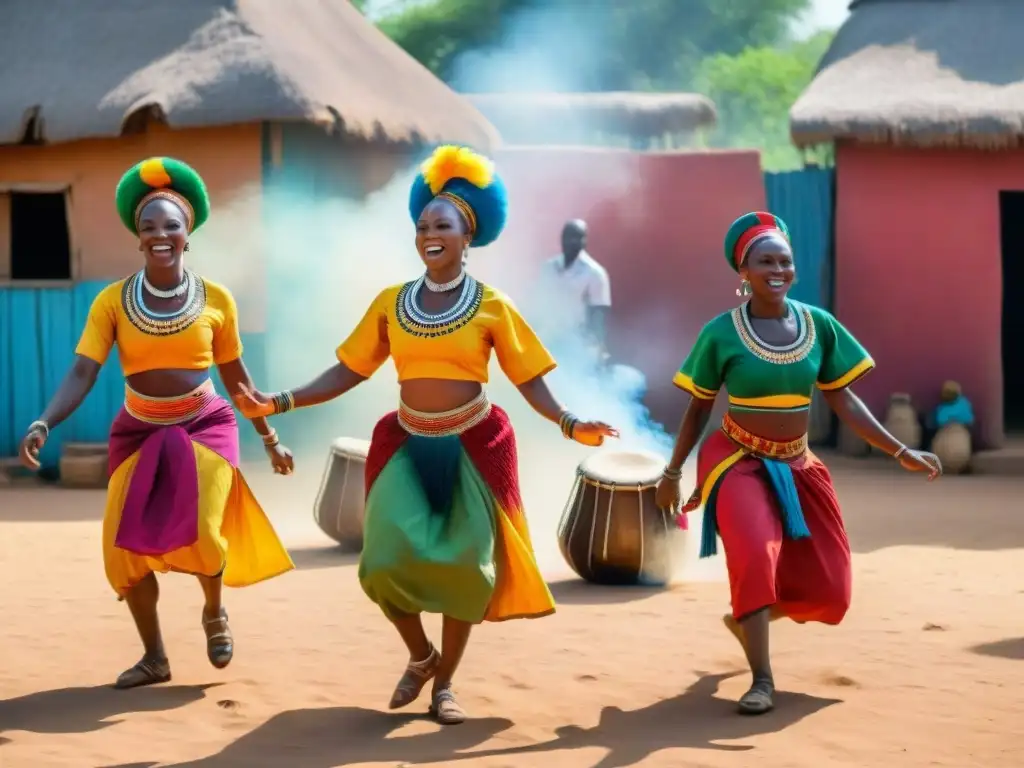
<point x="341" y="736"/>
<point x="83" y="710"/>
<point x="1011" y="648"/>
<point x="326" y="738"/>
<point x="580" y="592"/>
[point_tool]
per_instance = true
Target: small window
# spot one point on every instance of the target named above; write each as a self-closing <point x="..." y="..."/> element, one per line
<point x="40" y="246"/>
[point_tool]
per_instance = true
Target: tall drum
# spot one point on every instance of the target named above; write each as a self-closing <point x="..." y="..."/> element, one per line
<point x="611" y="531"/>
<point x="339" y="503"/>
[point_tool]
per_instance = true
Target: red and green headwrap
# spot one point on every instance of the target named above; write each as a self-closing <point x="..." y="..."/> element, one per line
<point x="747" y="230"/>
<point x="167" y="178"/>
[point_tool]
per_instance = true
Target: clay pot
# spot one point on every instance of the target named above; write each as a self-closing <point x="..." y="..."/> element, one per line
<point x="901" y="421"/>
<point x="952" y="444"/>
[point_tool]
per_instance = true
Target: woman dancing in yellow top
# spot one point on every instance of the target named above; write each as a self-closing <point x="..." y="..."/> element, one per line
<point x="176" y="500"/>
<point x="444" y="527"/>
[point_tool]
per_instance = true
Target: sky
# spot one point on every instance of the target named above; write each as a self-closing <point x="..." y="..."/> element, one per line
<point x="823" y="13"/>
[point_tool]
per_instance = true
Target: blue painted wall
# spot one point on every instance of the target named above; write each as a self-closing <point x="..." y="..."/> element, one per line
<point x="805" y="201"/>
<point x="39" y="328"/>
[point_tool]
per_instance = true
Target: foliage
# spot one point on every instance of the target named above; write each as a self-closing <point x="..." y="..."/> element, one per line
<point x="634" y="45"/>
<point x="753" y="92"/>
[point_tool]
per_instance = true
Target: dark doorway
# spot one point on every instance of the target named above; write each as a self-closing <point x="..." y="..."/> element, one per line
<point x="1011" y="212"/>
<point x="40" y="244"/>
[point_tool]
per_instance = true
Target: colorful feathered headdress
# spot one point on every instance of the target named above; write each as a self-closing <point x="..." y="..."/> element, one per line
<point x="162" y="177"/>
<point x="469" y="182"/>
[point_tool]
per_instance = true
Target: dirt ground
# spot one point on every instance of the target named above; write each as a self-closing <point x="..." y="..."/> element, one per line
<point x="927" y="670"/>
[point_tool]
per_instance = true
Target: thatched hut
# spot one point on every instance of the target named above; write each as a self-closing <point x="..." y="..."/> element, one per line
<point x="924" y="101"/>
<point x="244" y="90"/>
<point x="638" y="120"/>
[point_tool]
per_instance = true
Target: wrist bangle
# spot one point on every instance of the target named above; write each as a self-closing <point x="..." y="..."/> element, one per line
<point x="567" y="423"/>
<point x="39" y="426"/>
<point x="900" y="451"/>
<point x="283" y="402"/>
<point x="270" y="439"/>
<point x="672" y="474"/>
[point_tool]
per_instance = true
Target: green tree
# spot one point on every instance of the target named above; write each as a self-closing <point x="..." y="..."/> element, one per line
<point x="596" y="44"/>
<point x="753" y="92"/>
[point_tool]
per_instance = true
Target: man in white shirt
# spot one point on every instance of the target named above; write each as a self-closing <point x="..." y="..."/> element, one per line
<point x="578" y="294"/>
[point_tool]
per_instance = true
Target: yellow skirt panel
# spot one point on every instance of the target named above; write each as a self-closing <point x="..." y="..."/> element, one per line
<point x="519" y="590"/>
<point x="235" y="535"/>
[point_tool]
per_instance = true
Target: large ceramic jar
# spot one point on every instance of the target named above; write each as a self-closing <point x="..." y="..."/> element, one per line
<point x="901" y="421"/>
<point x="952" y="444"/>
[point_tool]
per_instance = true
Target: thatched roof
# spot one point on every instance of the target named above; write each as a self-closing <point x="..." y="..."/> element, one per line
<point x="922" y="73"/>
<point x="84" y="68"/>
<point x="630" y="114"/>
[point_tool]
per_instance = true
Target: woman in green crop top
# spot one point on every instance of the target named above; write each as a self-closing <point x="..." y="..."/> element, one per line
<point x="768" y="497"/>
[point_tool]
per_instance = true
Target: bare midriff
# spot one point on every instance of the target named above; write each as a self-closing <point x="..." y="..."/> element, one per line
<point x="168" y="382"/>
<point x="782" y="426"/>
<point x="438" y="395"/>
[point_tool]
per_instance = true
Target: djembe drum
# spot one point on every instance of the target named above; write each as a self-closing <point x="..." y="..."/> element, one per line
<point x="339" y="503"/>
<point x="611" y="531"/>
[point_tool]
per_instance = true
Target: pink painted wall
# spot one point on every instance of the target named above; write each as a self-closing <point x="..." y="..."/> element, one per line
<point x="918" y="271"/>
<point x="657" y="222"/>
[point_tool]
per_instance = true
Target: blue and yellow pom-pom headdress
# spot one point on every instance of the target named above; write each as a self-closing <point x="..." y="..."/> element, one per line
<point x="469" y="182"/>
<point x="162" y="177"/>
<point x="747" y="231"/>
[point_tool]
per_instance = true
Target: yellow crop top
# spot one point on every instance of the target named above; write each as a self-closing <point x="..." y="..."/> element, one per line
<point x="456" y="345"/>
<point x="204" y="333"/>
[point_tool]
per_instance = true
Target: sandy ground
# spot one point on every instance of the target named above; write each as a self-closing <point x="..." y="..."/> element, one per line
<point x="927" y="670"/>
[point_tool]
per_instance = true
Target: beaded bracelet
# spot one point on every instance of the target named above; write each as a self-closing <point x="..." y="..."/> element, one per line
<point x="283" y="401"/>
<point x="271" y="440"/>
<point x="567" y="423"/>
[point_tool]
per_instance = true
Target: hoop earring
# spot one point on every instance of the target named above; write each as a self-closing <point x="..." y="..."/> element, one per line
<point x="185" y="248"/>
<point x="744" y="289"/>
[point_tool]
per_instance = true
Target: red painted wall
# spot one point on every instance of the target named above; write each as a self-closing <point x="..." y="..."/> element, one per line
<point x="656" y="221"/>
<point x="919" y="271"/>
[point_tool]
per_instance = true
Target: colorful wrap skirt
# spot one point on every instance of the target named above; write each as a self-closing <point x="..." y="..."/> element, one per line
<point x="777" y="513"/>
<point x="176" y="500"/>
<point x="444" y="529"/>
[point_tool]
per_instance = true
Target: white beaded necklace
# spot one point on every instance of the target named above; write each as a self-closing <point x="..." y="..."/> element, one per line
<point x="161" y="294"/>
<point x="442" y="287"/>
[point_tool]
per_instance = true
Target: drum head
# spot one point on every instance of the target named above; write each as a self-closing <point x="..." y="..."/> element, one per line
<point x="351" y="446"/>
<point x="623" y="467"/>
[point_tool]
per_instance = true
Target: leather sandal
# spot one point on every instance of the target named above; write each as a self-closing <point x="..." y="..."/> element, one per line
<point x="445" y="709"/>
<point x="146" y="672"/>
<point x="220" y="646"/>
<point x="417" y="674"/>
<point x="758" y="700"/>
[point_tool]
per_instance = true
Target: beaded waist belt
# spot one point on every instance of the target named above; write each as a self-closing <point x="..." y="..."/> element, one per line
<point x="760" y="446"/>
<point x="446" y="423"/>
<point x="168" y="410"/>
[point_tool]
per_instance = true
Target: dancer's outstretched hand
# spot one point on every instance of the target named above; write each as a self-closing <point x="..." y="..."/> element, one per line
<point x="921" y="461"/>
<point x="31" y="444"/>
<point x="592" y="432"/>
<point x="281" y="459"/>
<point x="252" y="403"/>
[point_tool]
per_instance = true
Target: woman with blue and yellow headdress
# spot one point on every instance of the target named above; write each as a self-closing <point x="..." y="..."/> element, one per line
<point x="444" y="527"/>
<point x="176" y="500"/>
<point x="770" y="498"/>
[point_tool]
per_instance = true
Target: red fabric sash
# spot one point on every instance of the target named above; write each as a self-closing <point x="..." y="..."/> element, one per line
<point x="490" y="445"/>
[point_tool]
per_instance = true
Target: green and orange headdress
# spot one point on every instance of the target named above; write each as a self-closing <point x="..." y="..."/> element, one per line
<point x="469" y="182"/>
<point x="747" y="231"/>
<point x="167" y="178"/>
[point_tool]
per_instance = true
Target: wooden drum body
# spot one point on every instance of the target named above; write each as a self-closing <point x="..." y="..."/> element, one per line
<point x="340" y="502"/>
<point x="611" y="531"/>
